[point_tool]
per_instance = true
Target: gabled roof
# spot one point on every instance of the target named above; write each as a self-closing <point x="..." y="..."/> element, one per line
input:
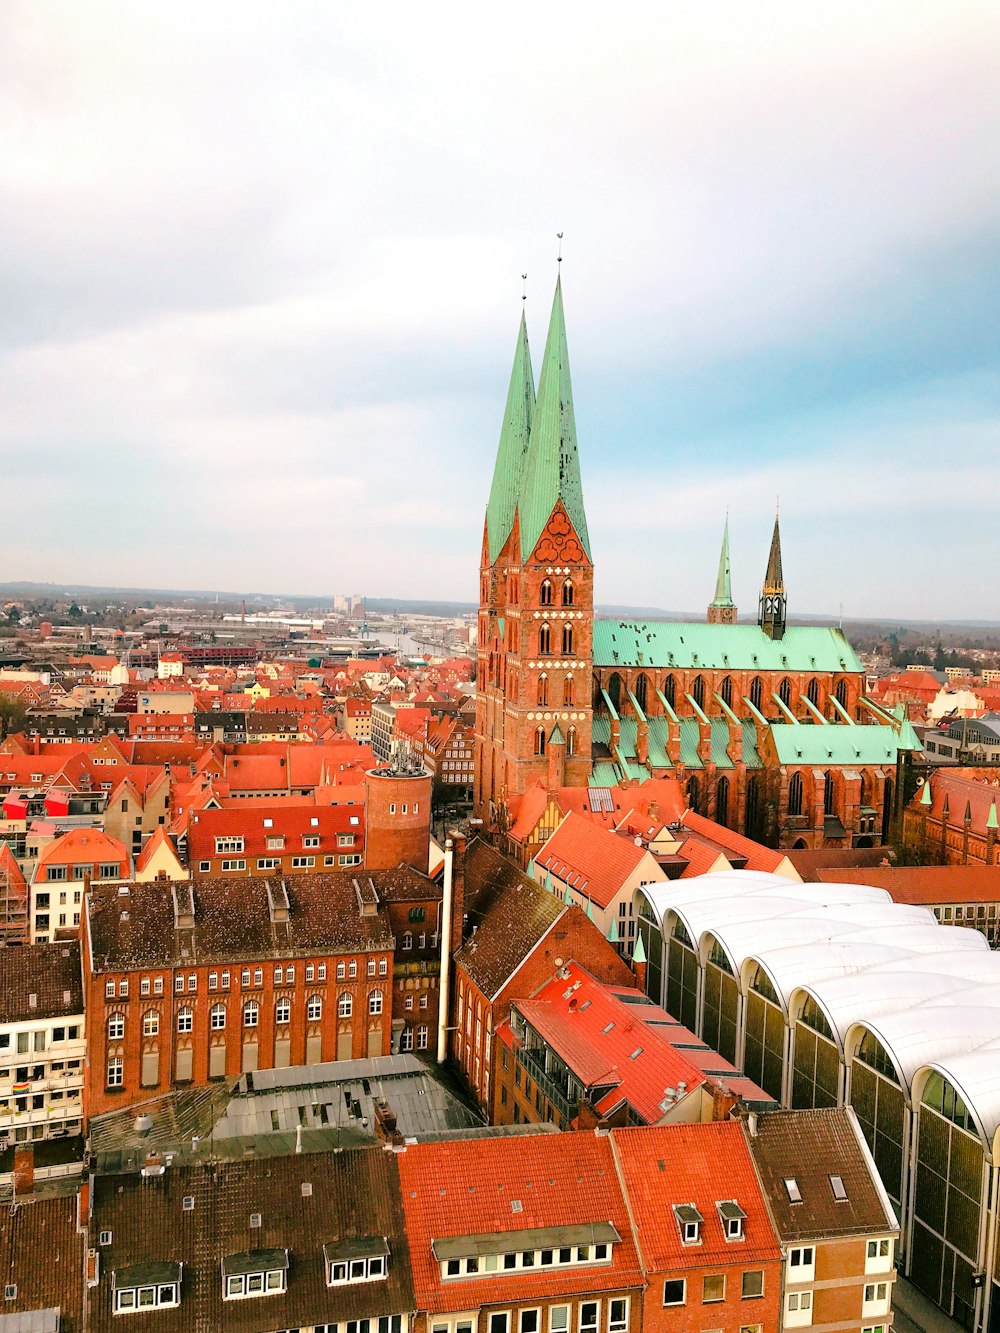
<point x="591" y="859"/>
<point x="509" y="914"/>
<point x="499" y="1186"/>
<point x="703" y="1165"/>
<point x="82" y="846"/>
<point x="809" y="1147"/>
<point x="757" y="856"/>
<point x="677" y="644"/>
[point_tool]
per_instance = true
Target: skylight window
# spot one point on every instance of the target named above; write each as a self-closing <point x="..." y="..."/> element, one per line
<point x="792" y="1190"/>
<point x="839" y="1189"/>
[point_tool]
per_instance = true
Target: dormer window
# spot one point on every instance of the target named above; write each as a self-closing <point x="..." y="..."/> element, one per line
<point x="155" y="1286"/>
<point x="254" y="1273"/>
<point x="357" y="1259"/>
<point x="689" y="1221"/>
<point x="732" y="1217"/>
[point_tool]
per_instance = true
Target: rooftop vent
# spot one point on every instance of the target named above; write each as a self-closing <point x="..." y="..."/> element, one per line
<point x="255" y="1220"/>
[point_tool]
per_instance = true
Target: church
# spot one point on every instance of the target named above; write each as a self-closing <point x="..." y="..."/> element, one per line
<point x="766" y="724"/>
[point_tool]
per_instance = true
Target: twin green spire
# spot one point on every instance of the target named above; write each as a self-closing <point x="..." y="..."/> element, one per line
<point x="537" y="462"/>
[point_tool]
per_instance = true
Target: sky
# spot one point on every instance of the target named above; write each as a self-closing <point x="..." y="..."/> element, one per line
<point x="260" y="281"/>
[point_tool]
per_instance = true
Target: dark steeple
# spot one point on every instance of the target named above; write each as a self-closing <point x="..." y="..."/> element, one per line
<point x="773" y="603"/>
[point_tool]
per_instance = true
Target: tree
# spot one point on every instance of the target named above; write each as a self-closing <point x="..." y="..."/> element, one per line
<point x="13" y="715"/>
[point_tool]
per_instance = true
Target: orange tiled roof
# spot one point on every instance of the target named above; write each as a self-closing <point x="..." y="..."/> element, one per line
<point x="591" y="859"/>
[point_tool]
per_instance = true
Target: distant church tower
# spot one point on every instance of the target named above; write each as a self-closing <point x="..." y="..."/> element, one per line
<point x="536" y="594"/>
<point x="773" y="603"/>
<point x="722" y="608"/>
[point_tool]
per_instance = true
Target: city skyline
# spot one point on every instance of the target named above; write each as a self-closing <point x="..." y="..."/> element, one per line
<point x="273" y="352"/>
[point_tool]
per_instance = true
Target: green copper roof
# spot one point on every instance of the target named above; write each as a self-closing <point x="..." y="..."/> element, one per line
<point x="925" y="794"/>
<point x="991" y="820"/>
<point x="774" y="579"/>
<point x="672" y="644"/>
<point x="834" y="744"/>
<point x="555" y="735"/>
<point x="613" y="931"/>
<point x="723" y="590"/>
<point x="639" y="952"/>
<point x="552" y="465"/>
<point x="514" y="435"/>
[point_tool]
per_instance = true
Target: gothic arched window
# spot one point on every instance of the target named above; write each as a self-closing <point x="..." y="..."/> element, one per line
<point x="545" y="593"/>
<point x="698" y="691"/>
<point x="567" y="593"/>
<point x="539" y="740"/>
<point x="757" y="692"/>
<point x="567" y="638"/>
<point x="568" y="692"/>
<point x="726" y="690"/>
<point x="670" y="691"/>
<point x="545" y="639"/>
<point x="722" y="801"/>
<point x="785" y="692"/>
<point x="641" y="692"/>
<point x="571" y="742"/>
<point x="795" y="794"/>
<point x="543" y="690"/>
<point x="812" y="693"/>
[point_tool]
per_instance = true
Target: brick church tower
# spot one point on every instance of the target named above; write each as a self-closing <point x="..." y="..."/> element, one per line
<point x="536" y="598"/>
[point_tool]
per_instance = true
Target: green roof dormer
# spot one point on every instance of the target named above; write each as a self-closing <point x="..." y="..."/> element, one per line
<point x="514" y="436"/>
<point x="552" y="466"/>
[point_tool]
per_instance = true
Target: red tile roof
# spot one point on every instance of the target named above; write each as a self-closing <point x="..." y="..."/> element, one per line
<point x="757" y="856"/>
<point x="468" y="1188"/>
<point x="960" y="790"/>
<point x="591" y="859"/>
<point x="603" y="1041"/>
<point x="924" y="885"/>
<point x="697" y="1164"/>
<point x="85" y="846"/>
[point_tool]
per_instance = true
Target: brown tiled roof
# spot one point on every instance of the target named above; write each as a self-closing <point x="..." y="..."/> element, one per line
<point x="48" y="972"/>
<point x="353" y="1194"/>
<point x="41" y="1253"/>
<point x="232" y="919"/>
<point x="509" y="914"/>
<point x="810" y="1147"/>
<point x="925" y="885"/>
<point x="808" y="861"/>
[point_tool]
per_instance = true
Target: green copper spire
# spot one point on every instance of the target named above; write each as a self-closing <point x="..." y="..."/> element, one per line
<point x="925" y="794"/>
<point x="613" y="931"/>
<point x="514" y="436"/>
<point x="639" y="952"/>
<point x="991" y="819"/>
<point x="723" y="590"/>
<point x="552" y="467"/>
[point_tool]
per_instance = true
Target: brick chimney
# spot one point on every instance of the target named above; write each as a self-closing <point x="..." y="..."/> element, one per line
<point x="457" y="891"/>
<point x="24" y="1169"/>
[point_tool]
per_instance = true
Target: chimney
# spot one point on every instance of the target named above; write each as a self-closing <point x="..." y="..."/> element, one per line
<point x="457" y="891"/>
<point x="24" y="1169"/>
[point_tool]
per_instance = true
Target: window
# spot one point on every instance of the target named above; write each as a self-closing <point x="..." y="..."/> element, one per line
<point x="342" y="970"/>
<point x="236" y="863"/>
<point x="879" y="1256"/>
<point x="352" y="970"/>
<point x="383" y="967"/>
<point x="150" y="1023"/>
<point x="406" y="1039"/>
<point x="275" y="844"/>
<point x="345" y="1005"/>
<point x="282" y="1012"/>
<point x="371" y="967"/>
<point x="529" y="1321"/>
<point x="192" y="982"/>
<point x="321" y="972"/>
<point x="800" y="1263"/>
<point x="267" y="1283"/>
<point x="792" y="1190"/>
<point x="279" y="976"/>
<point x="799" y="1301"/>
<point x="109" y="990"/>
<point x="156" y="1297"/>
<point x="567" y="639"/>
<point x="303" y="862"/>
<point x="369" y="1269"/>
<point x="753" y="1284"/>
<point x="839" y="1189"/>
<point x="310" y="841"/>
<point x="157" y="985"/>
<point x="544" y="640"/>
<point x="499" y="1321"/>
<point x="213" y="981"/>
<point x="218" y="1017"/>
<point x="123" y="988"/>
<point x="144" y="986"/>
<point x="245" y="977"/>
<point x="713" y="1288"/>
<point x="422" y="1035"/>
<point x="559" y="1319"/>
<point x="732" y="1217"/>
<point x="590" y="1312"/>
<point x="876" y="1294"/>
<point x="310" y="972"/>
<point x="185" y="1020"/>
<point x="178" y="985"/>
<point x="545" y="593"/>
<point x="314" y="1009"/>
<point x="116" y="1027"/>
<point x="225" y="980"/>
<point x="539" y="740"/>
<point x="689" y="1221"/>
<point x="375" y="1002"/>
<point x="674" y="1291"/>
<point x="258" y="976"/>
<point x="618" y="1314"/>
<point x="116" y="1072"/>
<point x="250" y="1015"/>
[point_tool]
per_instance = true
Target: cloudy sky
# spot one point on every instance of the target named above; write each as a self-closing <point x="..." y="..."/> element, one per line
<point x="260" y="281"/>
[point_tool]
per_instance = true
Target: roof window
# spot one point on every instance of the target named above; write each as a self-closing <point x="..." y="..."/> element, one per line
<point x="732" y="1217"/>
<point x="792" y="1190"/>
<point x="689" y="1221"/>
<point x="839" y="1189"/>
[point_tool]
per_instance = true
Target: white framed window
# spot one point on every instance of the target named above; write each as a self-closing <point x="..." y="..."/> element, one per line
<point x="159" y="1297"/>
<point x="258" y="976"/>
<point x="352" y="969"/>
<point x="321" y="972"/>
<point x="801" y="1264"/>
<point x="590" y="1316"/>
<point x="303" y="862"/>
<point x="529" y="1321"/>
<point x="150" y="1023"/>
<point x="279" y="976"/>
<point x="218" y="1017"/>
<point x="798" y="1309"/>
<point x="116" y="1027"/>
<point x="241" y="1285"/>
<point x="558" y="1319"/>
<point x="345" y="1005"/>
<point x="224" y="980"/>
<point x="383" y="967"/>
<point x="234" y="863"/>
<point x="314" y="1009"/>
<point x="618" y="1314"/>
<point x="753" y="1283"/>
<point x="375" y="1002"/>
<point x="123" y="988"/>
<point x="406" y="1039"/>
<point x="422" y="1037"/>
<point x="675" y="1291"/>
<point x="178" y="985"/>
<point x="157" y="985"/>
<point x="499" y="1321"/>
<point x="116" y="1072"/>
<point x="213" y="981"/>
<point x="109" y="990"/>
<point x="310" y="972"/>
<point x="713" y="1288"/>
<point x="878" y="1255"/>
<point x="371" y="1269"/>
<point x="251" y="1014"/>
<point x="144" y="986"/>
<point x="185" y="1020"/>
<point x="876" y="1298"/>
<point x="283" y="1012"/>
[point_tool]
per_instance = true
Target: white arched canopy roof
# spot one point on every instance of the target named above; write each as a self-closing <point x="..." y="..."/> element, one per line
<point x="917" y="1036"/>
<point x="975" y="1076"/>
<point x="787" y="967"/>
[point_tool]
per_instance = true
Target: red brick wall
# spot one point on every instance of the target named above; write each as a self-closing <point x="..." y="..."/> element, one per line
<point x="394" y="837"/>
<point x="731" y="1314"/>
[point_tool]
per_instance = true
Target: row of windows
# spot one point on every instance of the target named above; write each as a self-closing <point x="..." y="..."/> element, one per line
<point x="545" y="640"/>
<point x="530" y="1321"/>
<point x="422" y="1033"/>
<point x="543" y="691"/>
<point x="514" y="1261"/>
<point x="249" y="977"/>
<point x="713" y="1288"/>
<point x="545" y="593"/>
<point x="302" y="862"/>
<point x="36" y="1041"/>
<point x="540" y="741"/>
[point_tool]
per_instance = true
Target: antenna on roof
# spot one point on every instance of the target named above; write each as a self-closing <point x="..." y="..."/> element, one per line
<point x="559" y="237"/>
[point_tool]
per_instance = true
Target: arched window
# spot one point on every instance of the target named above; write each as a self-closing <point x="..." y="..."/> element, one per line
<point x="812" y="692"/>
<point x="842" y="693"/>
<point x="218" y="1017"/>
<point x="828" y="793"/>
<point x="722" y="801"/>
<point x="751" y="826"/>
<point x="864" y="792"/>
<point x="567" y="593"/>
<point x="545" y="593"/>
<point x="282" y="1012"/>
<point x="150" y="1023"/>
<point x="568" y="692"/>
<point x="694" y="795"/>
<point x="698" y="691"/>
<point x="887" y="794"/>
<point x="567" y="638"/>
<point x="375" y="1002"/>
<point x="544" y="639"/>
<point x="251" y="1013"/>
<point x="543" y="690"/>
<point x="726" y="691"/>
<point x="615" y="690"/>
<point x="757" y="692"/>
<point x="345" y="1005"/>
<point x="641" y="692"/>
<point x="571" y="742"/>
<point x="185" y="1020"/>
<point x="785" y="692"/>
<point x="795" y="794"/>
<point x="314" y="1009"/>
<point x="116" y="1027"/>
<point x="670" y="691"/>
<point x="539" y="740"/>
